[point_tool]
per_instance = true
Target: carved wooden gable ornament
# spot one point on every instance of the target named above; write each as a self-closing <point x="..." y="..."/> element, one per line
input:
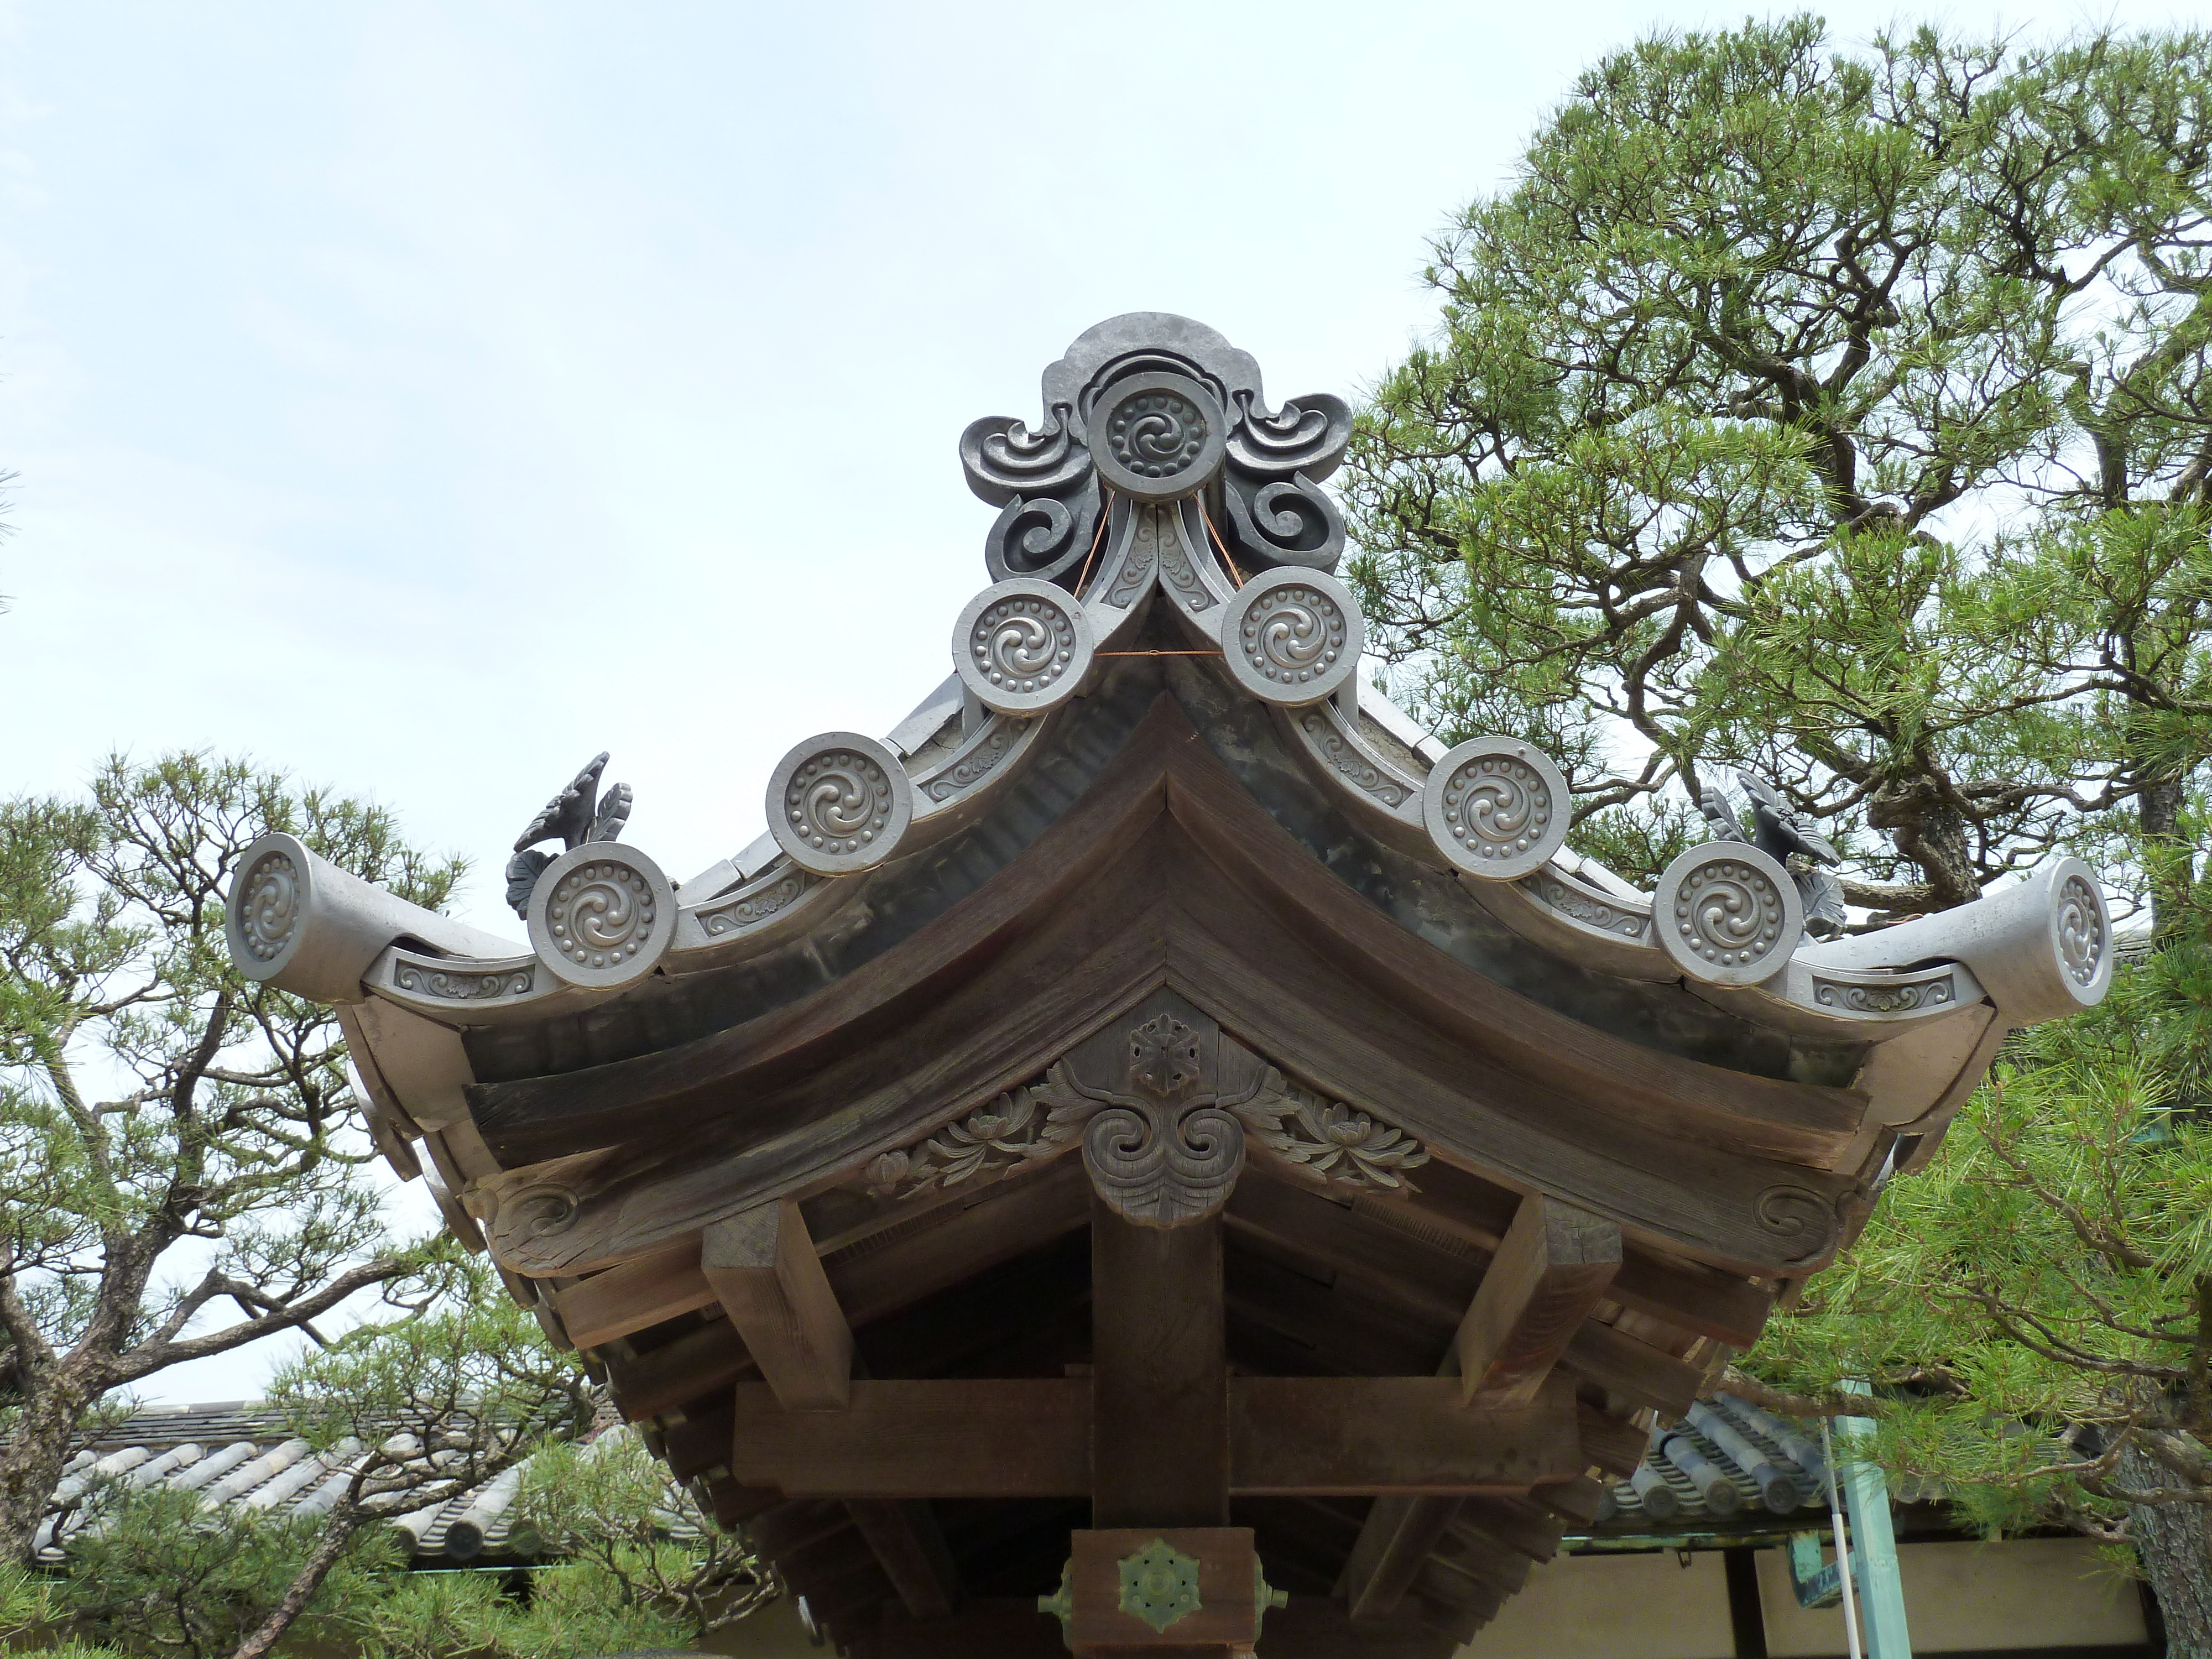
<point x="1155" y="1123"/>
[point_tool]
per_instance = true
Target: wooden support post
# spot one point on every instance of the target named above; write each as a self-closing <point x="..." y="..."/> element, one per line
<point x="763" y="1265"/>
<point x="1553" y="1265"/>
<point x="1159" y="1422"/>
<point x="911" y="1548"/>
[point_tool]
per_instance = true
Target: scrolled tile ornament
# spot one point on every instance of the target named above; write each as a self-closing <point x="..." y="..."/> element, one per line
<point x="1727" y="913"/>
<point x="2078" y="924"/>
<point x="1154" y="407"/>
<point x="1023" y="647"/>
<point x="1292" y="636"/>
<point x="602" y="914"/>
<point x="266" y="905"/>
<point x="839" y="803"/>
<point x="1497" y="808"/>
<point x="1157" y="437"/>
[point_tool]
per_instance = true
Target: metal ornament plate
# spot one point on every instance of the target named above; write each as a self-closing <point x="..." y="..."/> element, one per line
<point x="1293" y="636"/>
<point x="602" y="914"/>
<point x="1727" y="913"/>
<point x="839" y="803"/>
<point x="1497" y="807"/>
<point x="1022" y="646"/>
<point x="1159" y="1585"/>
<point x="1157" y="437"/>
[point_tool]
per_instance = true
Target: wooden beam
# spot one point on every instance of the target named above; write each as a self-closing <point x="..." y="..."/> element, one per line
<point x="939" y="1437"/>
<point x="1032" y="1437"/>
<point x="641" y="1291"/>
<point x="1354" y="1435"/>
<point x="1159" y="1426"/>
<point x="1551" y="1270"/>
<point x="1630" y="1366"/>
<point x="1399" y="1534"/>
<point x="911" y="1549"/>
<point x="764" y="1268"/>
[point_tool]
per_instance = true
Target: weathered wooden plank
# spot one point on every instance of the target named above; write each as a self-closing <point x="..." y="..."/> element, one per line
<point x="1159" y="1428"/>
<point x="966" y="1437"/>
<point x="1551" y="1270"/>
<point x="1612" y="1445"/>
<point x="1381" y="1434"/>
<point x="640" y="1292"/>
<point x="1399" y="1534"/>
<point x="1031" y="1437"/>
<point x="911" y="1549"/>
<point x="1648" y="1376"/>
<point x="763" y="1265"/>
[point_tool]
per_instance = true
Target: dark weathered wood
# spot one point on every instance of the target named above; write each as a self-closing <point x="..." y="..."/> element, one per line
<point x="1612" y="1445"/>
<point x="1551" y="1270"/>
<point x="911" y="1549"/>
<point x="1262" y="935"/>
<point x="1318" y="1627"/>
<point x="1705" y="1301"/>
<point x="1031" y="1437"/>
<point x="1519" y="1524"/>
<point x="1019" y="1438"/>
<point x="1381" y="1434"/>
<point x="1648" y="1376"/>
<point x="1002" y="1628"/>
<point x="1160" y="1430"/>
<point x="763" y="1267"/>
<point x="640" y="1292"/>
<point x="1399" y="1534"/>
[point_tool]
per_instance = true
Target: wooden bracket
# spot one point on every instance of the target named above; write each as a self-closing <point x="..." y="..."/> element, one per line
<point x="763" y="1265"/>
<point x="1553" y="1267"/>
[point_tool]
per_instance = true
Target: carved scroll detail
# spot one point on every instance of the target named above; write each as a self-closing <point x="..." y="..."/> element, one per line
<point x="734" y="916"/>
<point x="1337" y="1142"/>
<point x="463" y="986"/>
<point x="1884" y="999"/>
<point x="1346" y="760"/>
<point x="1160" y="1167"/>
<point x="1590" y="912"/>
<point x="543" y="1210"/>
<point x="1798" y="1216"/>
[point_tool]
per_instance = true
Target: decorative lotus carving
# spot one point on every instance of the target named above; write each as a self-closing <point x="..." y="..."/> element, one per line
<point x="1339" y="1143"/>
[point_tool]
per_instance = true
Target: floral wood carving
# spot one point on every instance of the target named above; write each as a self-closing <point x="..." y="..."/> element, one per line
<point x="1340" y="1143"/>
<point x="1035" y="1121"/>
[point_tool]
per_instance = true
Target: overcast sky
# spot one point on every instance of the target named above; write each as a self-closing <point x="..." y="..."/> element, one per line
<point x="421" y="397"/>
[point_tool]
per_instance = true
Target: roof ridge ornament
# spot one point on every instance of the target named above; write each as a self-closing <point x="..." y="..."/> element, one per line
<point x="1155" y="407"/>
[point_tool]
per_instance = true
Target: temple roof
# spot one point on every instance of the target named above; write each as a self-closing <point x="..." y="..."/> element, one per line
<point x="1154" y="922"/>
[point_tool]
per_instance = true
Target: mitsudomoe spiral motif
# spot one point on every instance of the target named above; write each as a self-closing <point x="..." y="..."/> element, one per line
<point x="1022" y="646"/>
<point x="1727" y="913"/>
<point x="1495" y="807"/>
<point x="1292" y="636"/>
<point x="601" y="914"/>
<point x="2080" y="921"/>
<point x="1156" y="436"/>
<point x="267" y="900"/>
<point x="839" y="803"/>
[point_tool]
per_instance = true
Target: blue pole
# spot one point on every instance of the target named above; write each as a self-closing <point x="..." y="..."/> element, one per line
<point x="1873" y="1545"/>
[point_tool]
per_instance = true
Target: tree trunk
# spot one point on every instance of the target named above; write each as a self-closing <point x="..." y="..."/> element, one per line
<point x="2176" y="1548"/>
<point x="344" y="1517"/>
<point x="1928" y="829"/>
<point x="31" y="1464"/>
<point x="2170" y="858"/>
